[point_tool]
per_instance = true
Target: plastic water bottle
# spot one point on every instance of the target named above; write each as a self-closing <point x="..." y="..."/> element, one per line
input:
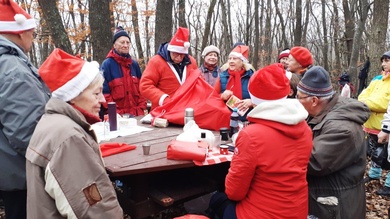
<point x="234" y="118"/>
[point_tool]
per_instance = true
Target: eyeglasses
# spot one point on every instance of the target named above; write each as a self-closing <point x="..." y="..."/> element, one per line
<point x="300" y="98"/>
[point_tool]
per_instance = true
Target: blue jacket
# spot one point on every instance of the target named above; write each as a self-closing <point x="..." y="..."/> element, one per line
<point x="224" y="78"/>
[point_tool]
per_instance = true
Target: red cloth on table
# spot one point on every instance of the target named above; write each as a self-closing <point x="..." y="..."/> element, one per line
<point x="192" y="216"/>
<point x="111" y="148"/>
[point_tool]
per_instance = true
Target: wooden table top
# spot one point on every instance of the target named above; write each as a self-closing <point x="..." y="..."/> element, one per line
<point x="134" y="162"/>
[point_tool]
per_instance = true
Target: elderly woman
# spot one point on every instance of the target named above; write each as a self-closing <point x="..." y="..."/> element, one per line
<point x="299" y="60"/>
<point x="122" y="75"/>
<point x="66" y="177"/>
<point x="234" y="80"/>
<point x="209" y="68"/>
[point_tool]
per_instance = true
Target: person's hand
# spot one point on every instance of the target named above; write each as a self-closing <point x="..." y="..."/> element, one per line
<point x="383" y="137"/>
<point x="244" y="104"/>
<point x="226" y="94"/>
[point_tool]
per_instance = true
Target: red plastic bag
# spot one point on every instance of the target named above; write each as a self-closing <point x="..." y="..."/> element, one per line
<point x="210" y="111"/>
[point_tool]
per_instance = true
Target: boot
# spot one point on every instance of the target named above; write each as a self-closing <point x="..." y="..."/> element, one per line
<point x="384" y="191"/>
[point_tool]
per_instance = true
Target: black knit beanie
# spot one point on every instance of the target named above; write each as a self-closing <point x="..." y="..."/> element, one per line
<point x="118" y="33"/>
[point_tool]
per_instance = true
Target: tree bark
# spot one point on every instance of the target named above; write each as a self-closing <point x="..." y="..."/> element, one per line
<point x="182" y="13"/>
<point x="337" y="29"/>
<point x="163" y="28"/>
<point x="298" y="23"/>
<point x="257" y="36"/>
<point x="349" y="25"/>
<point x="134" y="19"/>
<point x="377" y="40"/>
<point x="100" y="23"/>
<point x="57" y="31"/>
<point x="208" y="24"/>
<point x="325" y="31"/>
<point x="357" y="40"/>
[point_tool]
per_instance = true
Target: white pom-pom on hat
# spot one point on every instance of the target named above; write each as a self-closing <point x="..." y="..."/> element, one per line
<point x="187" y="45"/>
<point x="20" y="18"/>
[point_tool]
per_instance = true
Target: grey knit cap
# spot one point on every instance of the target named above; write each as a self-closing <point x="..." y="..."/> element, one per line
<point x="316" y="82"/>
<point x="385" y="55"/>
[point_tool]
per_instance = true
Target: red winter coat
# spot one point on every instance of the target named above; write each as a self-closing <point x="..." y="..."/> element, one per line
<point x="267" y="175"/>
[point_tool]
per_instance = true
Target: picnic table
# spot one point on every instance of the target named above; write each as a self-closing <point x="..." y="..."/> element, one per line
<point x="148" y="184"/>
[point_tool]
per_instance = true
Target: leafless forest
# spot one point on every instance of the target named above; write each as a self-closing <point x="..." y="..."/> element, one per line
<point x="341" y="34"/>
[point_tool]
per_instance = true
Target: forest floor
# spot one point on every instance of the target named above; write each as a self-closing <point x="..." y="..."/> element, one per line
<point x="376" y="206"/>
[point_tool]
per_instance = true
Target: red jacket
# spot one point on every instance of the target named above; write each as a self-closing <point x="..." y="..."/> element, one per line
<point x="267" y="175"/>
<point x="159" y="78"/>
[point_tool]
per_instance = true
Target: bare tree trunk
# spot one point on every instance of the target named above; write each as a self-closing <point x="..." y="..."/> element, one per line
<point x="257" y="36"/>
<point x="325" y="31"/>
<point x="267" y="33"/>
<point x="283" y="29"/>
<point x="357" y="40"/>
<point x="182" y="13"/>
<point x="134" y="19"/>
<point x="57" y="31"/>
<point x="81" y="49"/>
<point x="163" y="28"/>
<point x="377" y="41"/>
<point x="336" y="30"/>
<point x="304" y="33"/>
<point x="208" y="24"/>
<point x="298" y="23"/>
<point x="147" y="34"/>
<point x="349" y="23"/>
<point x="100" y="23"/>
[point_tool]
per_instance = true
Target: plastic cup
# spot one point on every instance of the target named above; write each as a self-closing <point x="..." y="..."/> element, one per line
<point x="146" y="148"/>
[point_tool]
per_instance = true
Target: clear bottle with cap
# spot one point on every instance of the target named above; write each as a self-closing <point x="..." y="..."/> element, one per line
<point x="188" y="115"/>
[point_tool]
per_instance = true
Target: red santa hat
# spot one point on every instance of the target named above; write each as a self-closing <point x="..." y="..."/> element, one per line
<point x="179" y="43"/>
<point x="284" y="53"/>
<point x="269" y="83"/>
<point x="66" y="75"/>
<point x="241" y="51"/>
<point x="13" y="19"/>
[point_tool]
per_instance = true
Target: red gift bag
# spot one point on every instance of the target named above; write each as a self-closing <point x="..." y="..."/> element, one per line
<point x="210" y="111"/>
<point x="183" y="150"/>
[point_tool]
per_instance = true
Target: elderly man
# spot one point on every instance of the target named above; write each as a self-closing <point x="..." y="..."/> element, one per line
<point x="167" y="70"/>
<point x="23" y="96"/>
<point x="338" y="160"/>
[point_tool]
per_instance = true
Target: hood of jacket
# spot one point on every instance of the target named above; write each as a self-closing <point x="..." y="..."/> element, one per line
<point x="282" y="114"/>
<point x="341" y="108"/>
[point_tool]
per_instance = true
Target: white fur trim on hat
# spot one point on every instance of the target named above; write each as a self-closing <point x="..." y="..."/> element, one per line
<point x="239" y="55"/>
<point x="19" y="24"/>
<point x="257" y="101"/>
<point x="76" y="85"/>
<point x="179" y="49"/>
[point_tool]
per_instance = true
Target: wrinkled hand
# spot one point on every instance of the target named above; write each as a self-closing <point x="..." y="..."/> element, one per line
<point x="383" y="137"/>
<point x="244" y="104"/>
<point x="226" y="94"/>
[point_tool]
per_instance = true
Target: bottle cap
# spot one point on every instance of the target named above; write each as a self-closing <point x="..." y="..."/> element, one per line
<point x="235" y="109"/>
<point x="189" y="112"/>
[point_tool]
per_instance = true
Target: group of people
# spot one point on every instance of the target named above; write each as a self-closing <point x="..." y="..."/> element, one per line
<point x="303" y="153"/>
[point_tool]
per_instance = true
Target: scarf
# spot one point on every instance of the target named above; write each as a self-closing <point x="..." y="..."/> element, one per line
<point x="123" y="60"/>
<point x="91" y="119"/>
<point x="234" y="82"/>
<point x="210" y="68"/>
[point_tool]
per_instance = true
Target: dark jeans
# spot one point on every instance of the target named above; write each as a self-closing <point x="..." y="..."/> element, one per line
<point x="15" y="204"/>
<point x="221" y="207"/>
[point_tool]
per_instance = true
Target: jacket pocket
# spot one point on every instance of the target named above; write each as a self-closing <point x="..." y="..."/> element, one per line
<point x="117" y="89"/>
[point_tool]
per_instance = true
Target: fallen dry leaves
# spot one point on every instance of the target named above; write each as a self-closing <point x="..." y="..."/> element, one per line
<point x="376" y="206"/>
